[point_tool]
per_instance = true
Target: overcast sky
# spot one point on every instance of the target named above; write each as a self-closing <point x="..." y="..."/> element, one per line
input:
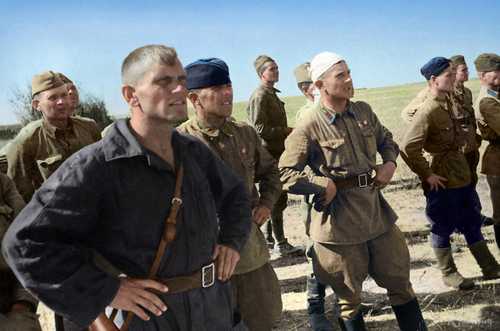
<point x="384" y="42"/>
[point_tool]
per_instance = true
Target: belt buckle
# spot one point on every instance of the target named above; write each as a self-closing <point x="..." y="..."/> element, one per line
<point x="208" y="275"/>
<point x="363" y="180"/>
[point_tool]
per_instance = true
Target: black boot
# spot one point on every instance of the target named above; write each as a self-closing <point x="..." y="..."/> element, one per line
<point x="497" y="234"/>
<point x="354" y="324"/>
<point x="409" y="316"/>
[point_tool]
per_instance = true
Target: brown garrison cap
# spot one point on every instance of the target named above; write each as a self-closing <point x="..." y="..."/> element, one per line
<point x="45" y="81"/>
<point x="457" y="59"/>
<point x="302" y="73"/>
<point x="487" y="62"/>
<point x="65" y="78"/>
<point x="260" y="63"/>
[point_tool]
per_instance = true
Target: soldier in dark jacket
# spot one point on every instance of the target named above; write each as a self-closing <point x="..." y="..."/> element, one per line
<point x="113" y="197"/>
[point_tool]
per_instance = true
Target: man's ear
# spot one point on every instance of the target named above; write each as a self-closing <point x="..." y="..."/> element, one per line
<point x="318" y="84"/>
<point x="193" y="97"/>
<point x="34" y="104"/>
<point x="128" y="93"/>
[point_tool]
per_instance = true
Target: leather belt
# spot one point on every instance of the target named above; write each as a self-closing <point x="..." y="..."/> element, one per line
<point x="203" y="278"/>
<point x="361" y="180"/>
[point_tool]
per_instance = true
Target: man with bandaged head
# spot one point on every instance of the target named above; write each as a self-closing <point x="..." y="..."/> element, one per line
<point x="352" y="225"/>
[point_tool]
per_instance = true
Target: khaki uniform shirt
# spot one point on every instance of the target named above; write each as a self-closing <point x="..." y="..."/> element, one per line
<point x="40" y="148"/>
<point x="487" y="109"/>
<point x="445" y="131"/>
<point x="339" y="146"/>
<point x="408" y="113"/>
<point x="303" y="111"/>
<point x="266" y="112"/>
<point x="239" y="146"/>
<point x="11" y="204"/>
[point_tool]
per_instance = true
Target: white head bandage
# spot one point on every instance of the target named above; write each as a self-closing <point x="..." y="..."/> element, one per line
<point x="322" y="62"/>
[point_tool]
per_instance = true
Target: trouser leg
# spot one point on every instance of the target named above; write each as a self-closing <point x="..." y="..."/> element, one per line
<point x="258" y="297"/>
<point x="494" y="183"/>
<point x="277" y="218"/>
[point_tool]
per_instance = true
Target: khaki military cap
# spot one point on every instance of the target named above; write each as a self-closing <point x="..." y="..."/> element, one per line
<point x="45" y="81"/>
<point x="302" y="73"/>
<point x="487" y="62"/>
<point x="260" y="63"/>
<point x="65" y="78"/>
<point x="457" y="59"/>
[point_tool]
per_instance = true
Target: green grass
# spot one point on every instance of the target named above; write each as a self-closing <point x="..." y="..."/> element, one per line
<point x="387" y="103"/>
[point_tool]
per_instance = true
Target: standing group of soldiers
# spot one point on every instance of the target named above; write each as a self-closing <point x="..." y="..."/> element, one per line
<point x="97" y="208"/>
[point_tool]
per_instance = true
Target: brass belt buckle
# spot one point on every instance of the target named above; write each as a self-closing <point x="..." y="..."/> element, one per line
<point x="363" y="180"/>
<point x="208" y="275"/>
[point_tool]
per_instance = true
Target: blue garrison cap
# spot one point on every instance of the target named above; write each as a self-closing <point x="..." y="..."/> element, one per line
<point x="435" y="67"/>
<point x="207" y="72"/>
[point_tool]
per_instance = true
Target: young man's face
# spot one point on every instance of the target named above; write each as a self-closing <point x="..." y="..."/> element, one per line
<point x="162" y="93"/>
<point x="338" y="82"/>
<point x="462" y="73"/>
<point x="216" y="101"/>
<point x="271" y="74"/>
<point x="54" y="104"/>
<point x="445" y="81"/>
<point x="74" y="97"/>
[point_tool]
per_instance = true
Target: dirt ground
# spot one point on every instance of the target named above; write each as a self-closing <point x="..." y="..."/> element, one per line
<point x="443" y="309"/>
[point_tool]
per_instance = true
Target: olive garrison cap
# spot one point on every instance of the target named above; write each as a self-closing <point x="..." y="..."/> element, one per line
<point x="302" y="73"/>
<point x="434" y="67"/>
<point x="260" y="63"/>
<point x="207" y="72"/>
<point x="65" y="78"/>
<point x="487" y="62"/>
<point x="457" y="59"/>
<point x="45" y="81"/>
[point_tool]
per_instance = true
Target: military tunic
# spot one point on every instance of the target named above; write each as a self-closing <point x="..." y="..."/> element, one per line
<point x="113" y="197"/>
<point x="11" y="203"/>
<point x="355" y="235"/>
<point x="255" y="284"/>
<point x="487" y="107"/>
<point x="40" y="148"/>
<point x="340" y="146"/>
<point x="266" y="113"/>
<point x="445" y="130"/>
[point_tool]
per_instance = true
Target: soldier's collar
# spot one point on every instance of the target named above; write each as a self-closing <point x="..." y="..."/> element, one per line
<point x="270" y="89"/>
<point x="492" y="93"/>
<point x="332" y="116"/>
<point x="211" y="132"/>
<point x="52" y="130"/>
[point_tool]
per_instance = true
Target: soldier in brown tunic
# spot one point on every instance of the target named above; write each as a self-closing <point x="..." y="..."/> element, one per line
<point x="41" y="146"/>
<point x="487" y="109"/>
<point x="266" y="112"/>
<point x="352" y="225"/>
<point x="255" y="285"/>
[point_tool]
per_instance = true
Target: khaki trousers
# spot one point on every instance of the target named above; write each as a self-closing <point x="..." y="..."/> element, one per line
<point x="344" y="267"/>
<point x="258" y="297"/>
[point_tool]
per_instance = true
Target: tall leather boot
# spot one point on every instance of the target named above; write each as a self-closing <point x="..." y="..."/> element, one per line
<point x="354" y="324"/>
<point x="489" y="266"/>
<point x="496" y="228"/>
<point x="316" y="305"/>
<point x="409" y="316"/>
<point x="451" y="276"/>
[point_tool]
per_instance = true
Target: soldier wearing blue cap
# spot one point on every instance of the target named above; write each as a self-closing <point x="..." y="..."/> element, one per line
<point x="255" y="285"/>
<point x="452" y="202"/>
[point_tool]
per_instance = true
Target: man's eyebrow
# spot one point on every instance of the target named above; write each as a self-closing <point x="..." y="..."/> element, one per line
<point x="167" y="77"/>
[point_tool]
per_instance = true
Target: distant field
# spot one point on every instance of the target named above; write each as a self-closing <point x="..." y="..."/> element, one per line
<point x="387" y="102"/>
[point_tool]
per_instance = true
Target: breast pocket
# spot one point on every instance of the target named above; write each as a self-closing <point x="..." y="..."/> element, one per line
<point x="49" y="165"/>
<point x="370" y="141"/>
<point x="335" y="152"/>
